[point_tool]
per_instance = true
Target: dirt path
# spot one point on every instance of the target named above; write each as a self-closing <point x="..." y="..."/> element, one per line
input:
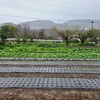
<point x="7" y="75"/>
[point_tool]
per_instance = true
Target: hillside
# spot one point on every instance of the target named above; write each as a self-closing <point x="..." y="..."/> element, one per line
<point x="38" y="24"/>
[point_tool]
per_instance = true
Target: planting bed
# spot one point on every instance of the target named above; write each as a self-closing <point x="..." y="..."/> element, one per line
<point x="74" y="63"/>
<point x="55" y="70"/>
<point x="55" y="51"/>
<point x="67" y="85"/>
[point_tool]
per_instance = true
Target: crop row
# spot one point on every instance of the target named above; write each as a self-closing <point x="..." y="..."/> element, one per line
<point x="50" y="55"/>
<point x="50" y="50"/>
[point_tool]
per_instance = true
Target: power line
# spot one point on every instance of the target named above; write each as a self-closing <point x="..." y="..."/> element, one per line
<point x="38" y="9"/>
<point x="28" y="17"/>
<point x="16" y="16"/>
<point x="64" y="4"/>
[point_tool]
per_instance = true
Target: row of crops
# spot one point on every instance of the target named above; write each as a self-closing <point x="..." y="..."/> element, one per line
<point x="59" y="52"/>
<point x="49" y="55"/>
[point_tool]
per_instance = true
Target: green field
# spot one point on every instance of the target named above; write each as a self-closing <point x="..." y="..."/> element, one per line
<point x="48" y="50"/>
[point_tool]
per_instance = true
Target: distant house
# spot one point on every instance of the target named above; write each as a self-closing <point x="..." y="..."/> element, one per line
<point x="74" y="37"/>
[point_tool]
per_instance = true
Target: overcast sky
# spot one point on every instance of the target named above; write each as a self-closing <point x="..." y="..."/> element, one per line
<point x="18" y="11"/>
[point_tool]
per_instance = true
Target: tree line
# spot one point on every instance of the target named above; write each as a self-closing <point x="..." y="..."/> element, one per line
<point x="25" y="32"/>
<point x="93" y="35"/>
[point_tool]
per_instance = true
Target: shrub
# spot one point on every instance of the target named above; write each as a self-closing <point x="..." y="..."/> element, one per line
<point x="1" y="46"/>
<point x="89" y="44"/>
<point x="24" y="40"/>
<point x="47" y="44"/>
<point x="2" y="43"/>
<point x="8" y="44"/>
<point x="18" y="40"/>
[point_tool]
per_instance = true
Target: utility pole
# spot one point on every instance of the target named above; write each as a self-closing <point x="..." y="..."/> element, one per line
<point x="92" y="23"/>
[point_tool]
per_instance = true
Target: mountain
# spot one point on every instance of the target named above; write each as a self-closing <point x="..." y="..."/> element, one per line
<point x="8" y="23"/>
<point x="82" y="23"/>
<point x="38" y="24"/>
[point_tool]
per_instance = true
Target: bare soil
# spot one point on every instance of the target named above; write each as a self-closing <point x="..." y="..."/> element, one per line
<point x="48" y="94"/>
<point x="7" y="75"/>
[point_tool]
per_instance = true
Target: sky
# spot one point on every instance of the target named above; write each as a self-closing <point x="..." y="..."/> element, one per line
<point x="59" y="11"/>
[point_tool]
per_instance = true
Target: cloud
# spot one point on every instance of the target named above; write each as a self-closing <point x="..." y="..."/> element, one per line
<point x="50" y="9"/>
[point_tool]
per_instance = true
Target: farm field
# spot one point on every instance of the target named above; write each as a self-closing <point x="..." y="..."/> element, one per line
<point x="49" y="71"/>
<point x="49" y="50"/>
<point x="87" y="72"/>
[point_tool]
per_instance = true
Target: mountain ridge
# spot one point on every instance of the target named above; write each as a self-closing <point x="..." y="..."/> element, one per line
<point x="38" y="24"/>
